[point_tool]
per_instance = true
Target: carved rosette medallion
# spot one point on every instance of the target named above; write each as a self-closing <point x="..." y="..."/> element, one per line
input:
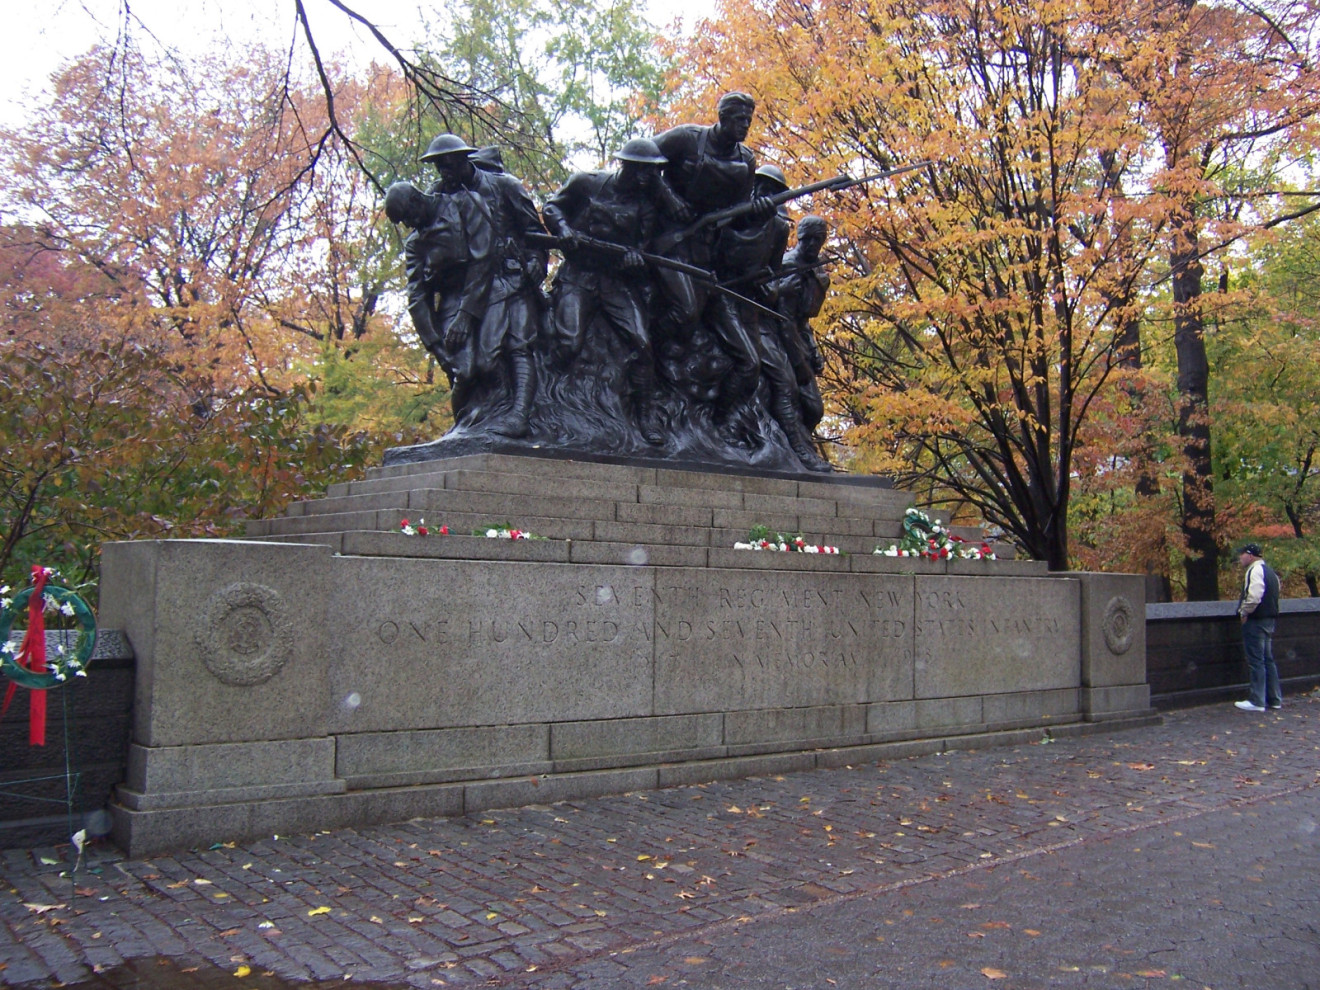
<point x="245" y="635"/>
<point x="1117" y="624"/>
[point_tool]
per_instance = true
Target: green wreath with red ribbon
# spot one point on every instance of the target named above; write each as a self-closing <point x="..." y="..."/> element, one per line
<point x="28" y="664"/>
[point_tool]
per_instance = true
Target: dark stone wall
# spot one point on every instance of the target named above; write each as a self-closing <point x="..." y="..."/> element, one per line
<point x="94" y="715"/>
<point x="1194" y="651"/>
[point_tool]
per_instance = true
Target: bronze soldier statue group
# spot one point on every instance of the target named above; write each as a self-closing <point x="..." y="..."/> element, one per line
<point x="678" y="322"/>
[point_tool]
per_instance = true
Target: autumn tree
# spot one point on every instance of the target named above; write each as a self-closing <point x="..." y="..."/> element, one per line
<point x="167" y="271"/>
<point x="1264" y="355"/>
<point x="994" y="300"/>
<point x="564" y="82"/>
<point x="983" y="307"/>
<point x="99" y="436"/>
<point x="1227" y="90"/>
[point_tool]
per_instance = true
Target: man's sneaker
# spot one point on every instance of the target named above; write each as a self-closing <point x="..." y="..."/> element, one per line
<point x="1275" y="708"/>
<point x="1247" y="706"/>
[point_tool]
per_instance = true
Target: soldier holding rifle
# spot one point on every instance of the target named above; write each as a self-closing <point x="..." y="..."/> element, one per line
<point x="498" y="334"/>
<point x="604" y="222"/>
<point x="799" y="288"/>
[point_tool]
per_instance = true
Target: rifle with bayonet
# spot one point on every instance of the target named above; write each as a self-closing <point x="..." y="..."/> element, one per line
<point x="720" y="218"/>
<point x="767" y="275"/>
<point x="707" y="278"/>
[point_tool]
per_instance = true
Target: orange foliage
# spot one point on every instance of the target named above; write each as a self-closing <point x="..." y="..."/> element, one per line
<point x="984" y="303"/>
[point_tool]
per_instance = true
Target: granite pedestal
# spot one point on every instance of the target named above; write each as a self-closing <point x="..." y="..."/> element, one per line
<point x="331" y="671"/>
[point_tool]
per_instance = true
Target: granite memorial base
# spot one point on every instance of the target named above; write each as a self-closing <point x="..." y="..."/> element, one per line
<point x="332" y="671"/>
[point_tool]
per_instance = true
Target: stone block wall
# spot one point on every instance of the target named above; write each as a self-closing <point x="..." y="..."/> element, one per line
<point x="1194" y="650"/>
<point x="48" y="792"/>
<point x="332" y="671"/>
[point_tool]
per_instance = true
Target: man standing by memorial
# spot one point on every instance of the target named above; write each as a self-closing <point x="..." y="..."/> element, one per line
<point x="501" y="339"/>
<point x="621" y="209"/>
<point x="1258" y="607"/>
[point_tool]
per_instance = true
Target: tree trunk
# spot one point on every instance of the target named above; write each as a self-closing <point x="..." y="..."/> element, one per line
<point x="1127" y="355"/>
<point x="1201" y="562"/>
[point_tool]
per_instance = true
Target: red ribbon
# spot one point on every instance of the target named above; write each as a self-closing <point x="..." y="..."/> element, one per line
<point x="32" y="656"/>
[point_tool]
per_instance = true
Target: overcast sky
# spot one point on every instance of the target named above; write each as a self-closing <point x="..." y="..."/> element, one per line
<point x="41" y="35"/>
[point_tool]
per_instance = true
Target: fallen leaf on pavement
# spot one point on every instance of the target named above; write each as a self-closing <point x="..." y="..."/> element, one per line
<point x="318" y="910"/>
<point x="990" y="973"/>
<point x="43" y="908"/>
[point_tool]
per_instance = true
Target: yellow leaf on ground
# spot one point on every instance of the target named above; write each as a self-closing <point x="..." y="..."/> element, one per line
<point x="318" y="910"/>
<point x="242" y="971"/>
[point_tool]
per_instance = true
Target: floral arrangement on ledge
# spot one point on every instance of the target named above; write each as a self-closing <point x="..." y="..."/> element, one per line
<point x="924" y="538"/>
<point x="408" y="529"/>
<point x="764" y="538"/>
<point x="503" y="531"/>
<point x="498" y="531"/>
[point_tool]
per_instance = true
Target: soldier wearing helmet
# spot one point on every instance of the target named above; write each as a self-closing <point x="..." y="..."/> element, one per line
<point x="711" y="169"/>
<point x="498" y="340"/>
<point x="488" y="159"/>
<point x="750" y="252"/>
<point x="450" y="265"/>
<point x="800" y="290"/>
<point x="622" y="208"/>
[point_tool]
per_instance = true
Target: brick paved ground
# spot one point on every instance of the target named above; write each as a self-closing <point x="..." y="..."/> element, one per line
<point x="1186" y="853"/>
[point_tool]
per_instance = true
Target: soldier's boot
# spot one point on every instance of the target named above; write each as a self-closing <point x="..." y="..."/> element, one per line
<point x="785" y="411"/>
<point x="460" y="397"/>
<point x="524" y="390"/>
<point x="641" y="381"/>
<point x="810" y="456"/>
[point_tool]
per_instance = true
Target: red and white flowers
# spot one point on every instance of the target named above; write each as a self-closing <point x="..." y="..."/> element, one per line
<point x="505" y="532"/>
<point x="408" y="529"/>
<point x="763" y="538"/>
<point x="923" y="538"/>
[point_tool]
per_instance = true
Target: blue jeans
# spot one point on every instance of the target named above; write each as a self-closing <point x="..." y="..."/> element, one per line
<point x="1257" y="641"/>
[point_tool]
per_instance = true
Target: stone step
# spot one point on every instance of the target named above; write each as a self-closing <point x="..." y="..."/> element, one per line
<point x="390" y="544"/>
<point x="647" y="523"/>
<point x="891" y="507"/>
<point x="434" y="501"/>
<point x="841" y="488"/>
